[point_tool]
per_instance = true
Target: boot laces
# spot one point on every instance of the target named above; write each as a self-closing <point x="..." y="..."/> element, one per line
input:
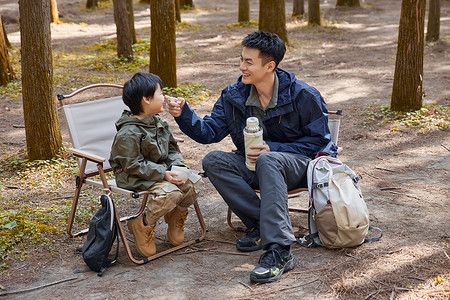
<point x="151" y="234"/>
<point x="181" y="219"/>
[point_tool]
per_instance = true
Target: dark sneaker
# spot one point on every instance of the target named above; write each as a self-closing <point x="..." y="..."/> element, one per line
<point x="250" y="242"/>
<point x="272" y="264"/>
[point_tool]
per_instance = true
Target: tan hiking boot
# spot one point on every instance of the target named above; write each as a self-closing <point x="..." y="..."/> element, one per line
<point x="175" y="221"/>
<point x="143" y="235"/>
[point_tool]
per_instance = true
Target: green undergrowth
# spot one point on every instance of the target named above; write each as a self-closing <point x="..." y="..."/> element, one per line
<point x="36" y="212"/>
<point x="192" y="93"/>
<point x="251" y="23"/>
<point x="183" y="26"/>
<point x="428" y="118"/>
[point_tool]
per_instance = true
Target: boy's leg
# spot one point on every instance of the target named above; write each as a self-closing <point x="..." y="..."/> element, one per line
<point x="166" y="197"/>
<point x="189" y="194"/>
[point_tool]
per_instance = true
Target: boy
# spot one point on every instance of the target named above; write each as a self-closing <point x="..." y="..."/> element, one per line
<point x="142" y="154"/>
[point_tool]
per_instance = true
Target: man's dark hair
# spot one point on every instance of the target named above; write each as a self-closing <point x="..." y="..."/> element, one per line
<point x="140" y="85"/>
<point x="269" y="44"/>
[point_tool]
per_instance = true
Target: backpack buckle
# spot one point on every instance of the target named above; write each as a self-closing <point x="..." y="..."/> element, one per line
<point x="320" y="185"/>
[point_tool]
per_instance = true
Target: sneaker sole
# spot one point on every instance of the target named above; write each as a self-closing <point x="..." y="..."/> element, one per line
<point x="289" y="266"/>
<point x="249" y="249"/>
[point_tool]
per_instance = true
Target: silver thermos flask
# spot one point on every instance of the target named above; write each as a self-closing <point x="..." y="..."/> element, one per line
<point x="253" y="136"/>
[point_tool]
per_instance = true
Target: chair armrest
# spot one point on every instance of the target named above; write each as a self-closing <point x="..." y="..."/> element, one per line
<point x="87" y="155"/>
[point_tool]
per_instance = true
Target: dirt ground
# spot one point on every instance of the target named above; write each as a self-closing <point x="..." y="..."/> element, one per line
<point x="351" y="62"/>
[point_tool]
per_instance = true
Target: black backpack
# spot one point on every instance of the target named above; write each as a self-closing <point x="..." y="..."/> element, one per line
<point x="103" y="229"/>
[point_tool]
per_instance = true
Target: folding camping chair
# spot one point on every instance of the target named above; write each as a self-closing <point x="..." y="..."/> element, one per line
<point x="92" y="129"/>
<point x="334" y="124"/>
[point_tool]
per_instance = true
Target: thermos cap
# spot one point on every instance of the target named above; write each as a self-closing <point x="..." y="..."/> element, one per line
<point x="252" y="124"/>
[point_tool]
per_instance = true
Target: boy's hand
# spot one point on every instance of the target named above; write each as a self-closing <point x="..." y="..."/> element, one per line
<point x="172" y="178"/>
<point x="175" y="105"/>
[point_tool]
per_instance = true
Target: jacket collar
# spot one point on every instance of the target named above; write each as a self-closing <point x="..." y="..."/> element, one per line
<point x="239" y="92"/>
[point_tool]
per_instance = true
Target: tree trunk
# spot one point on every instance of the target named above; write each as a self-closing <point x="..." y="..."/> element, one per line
<point x="407" y="87"/>
<point x="314" y="12"/>
<point x="272" y="17"/>
<point x="54" y="12"/>
<point x="6" y="71"/>
<point x="349" y="3"/>
<point x="39" y="104"/>
<point x="244" y="11"/>
<point x="123" y="29"/>
<point x="163" y="52"/>
<point x="187" y="4"/>
<point x="130" y="11"/>
<point x="177" y="11"/>
<point x="5" y="36"/>
<point x="434" y="16"/>
<point x="91" y="4"/>
<point x="298" y="9"/>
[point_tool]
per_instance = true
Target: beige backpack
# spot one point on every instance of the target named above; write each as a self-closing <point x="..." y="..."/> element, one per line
<point x="338" y="216"/>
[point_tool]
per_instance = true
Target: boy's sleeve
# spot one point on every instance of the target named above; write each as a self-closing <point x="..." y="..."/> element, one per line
<point x="174" y="158"/>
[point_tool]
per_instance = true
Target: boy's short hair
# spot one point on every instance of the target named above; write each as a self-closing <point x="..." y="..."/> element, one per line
<point x="269" y="44"/>
<point x="139" y="86"/>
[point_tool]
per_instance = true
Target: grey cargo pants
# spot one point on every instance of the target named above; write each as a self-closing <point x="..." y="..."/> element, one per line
<point x="275" y="174"/>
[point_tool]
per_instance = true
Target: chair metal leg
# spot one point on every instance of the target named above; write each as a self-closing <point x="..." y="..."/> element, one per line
<point x="73" y="210"/>
<point x="291" y="194"/>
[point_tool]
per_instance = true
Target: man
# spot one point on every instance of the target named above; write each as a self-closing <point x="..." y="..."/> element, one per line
<point x="294" y="119"/>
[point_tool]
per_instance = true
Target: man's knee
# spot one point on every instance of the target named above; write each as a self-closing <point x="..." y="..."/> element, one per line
<point x="209" y="159"/>
<point x="267" y="158"/>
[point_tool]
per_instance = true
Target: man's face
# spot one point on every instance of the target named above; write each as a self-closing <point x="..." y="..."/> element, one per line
<point x="251" y="66"/>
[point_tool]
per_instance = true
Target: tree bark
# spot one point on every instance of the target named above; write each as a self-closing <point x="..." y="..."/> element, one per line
<point x="91" y="4"/>
<point x="407" y="87"/>
<point x="123" y="29"/>
<point x="5" y="36"/>
<point x="54" y="12"/>
<point x="350" y="3"/>
<point x="272" y="17"/>
<point x="39" y="104"/>
<point x="244" y="11"/>
<point x="298" y="9"/>
<point x="187" y="4"/>
<point x="314" y="12"/>
<point x="434" y="22"/>
<point x="177" y="11"/>
<point x="130" y="11"/>
<point x="163" y="54"/>
<point x="6" y="70"/>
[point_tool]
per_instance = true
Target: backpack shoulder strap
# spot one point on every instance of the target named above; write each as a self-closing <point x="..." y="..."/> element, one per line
<point x="116" y="238"/>
<point x="368" y="240"/>
<point x="312" y="239"/>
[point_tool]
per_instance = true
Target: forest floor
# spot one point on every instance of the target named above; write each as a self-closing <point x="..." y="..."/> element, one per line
<point x="350" y="60"/>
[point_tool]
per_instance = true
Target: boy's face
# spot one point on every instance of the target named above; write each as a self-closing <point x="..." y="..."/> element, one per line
<point x="154" y="105"/>
<point x="251" y="66"/>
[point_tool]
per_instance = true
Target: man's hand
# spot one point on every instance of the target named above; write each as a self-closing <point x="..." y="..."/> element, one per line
<point x="175" y="105"/>
<point x="172" y="178"/>
<point x="252" y="156"/>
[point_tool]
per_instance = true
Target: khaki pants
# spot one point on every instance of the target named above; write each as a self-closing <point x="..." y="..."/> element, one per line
<point x="167" y="196"/>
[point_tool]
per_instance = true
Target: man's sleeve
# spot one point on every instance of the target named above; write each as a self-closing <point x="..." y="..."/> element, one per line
<point x="206" y="130"/>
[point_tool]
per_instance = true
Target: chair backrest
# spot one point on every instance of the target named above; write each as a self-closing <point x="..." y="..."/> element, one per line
<point x="92" y="126"/>
<point x="334" y="125"/>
